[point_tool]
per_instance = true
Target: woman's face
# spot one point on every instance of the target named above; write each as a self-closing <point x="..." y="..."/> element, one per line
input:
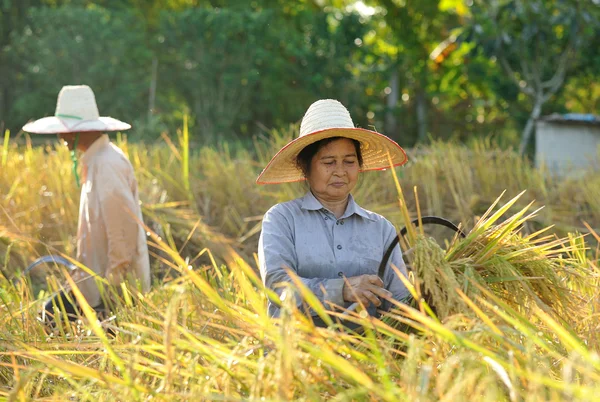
<point x="334" y="170"/>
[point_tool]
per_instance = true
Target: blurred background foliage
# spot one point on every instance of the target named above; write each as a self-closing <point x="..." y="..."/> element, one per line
<point x="432" y="74"/>
<point x="432" y="69"/>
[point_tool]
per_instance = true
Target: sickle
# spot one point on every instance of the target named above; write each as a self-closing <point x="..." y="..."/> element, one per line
<point x="57" y="259"/>
<point x="435" y="220"/>
<point x="425" y="220"/>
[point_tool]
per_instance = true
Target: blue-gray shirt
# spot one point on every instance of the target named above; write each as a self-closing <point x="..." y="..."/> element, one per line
<point x="306" y="237"/>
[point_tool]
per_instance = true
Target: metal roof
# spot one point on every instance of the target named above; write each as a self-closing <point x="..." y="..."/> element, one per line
<point x="573" y="118"/>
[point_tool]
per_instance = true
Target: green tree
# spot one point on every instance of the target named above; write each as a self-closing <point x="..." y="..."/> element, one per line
<point x="406" y="82"/>
<point x="208" y="61"/>
<point x="74" y="45"/>
<point x="416" y="27"/>
<point x="12" y="17"/>
<point x="581" y="91"/>
<point x="239" y="67"/>
<point x="537" y="44"/>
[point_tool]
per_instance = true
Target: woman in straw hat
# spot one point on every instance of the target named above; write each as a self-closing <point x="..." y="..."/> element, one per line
<point x="110" y="240"/>
<point x="332" y="244"/>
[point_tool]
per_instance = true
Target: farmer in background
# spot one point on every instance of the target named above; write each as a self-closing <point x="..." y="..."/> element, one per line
<point x="110" y="240"/>
<point x="332" y="244"/>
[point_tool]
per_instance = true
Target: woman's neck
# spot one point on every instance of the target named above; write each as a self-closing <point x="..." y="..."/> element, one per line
<point x="338" y="207"/>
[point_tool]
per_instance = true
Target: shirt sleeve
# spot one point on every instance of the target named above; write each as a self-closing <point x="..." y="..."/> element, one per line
<point x="276" y="251"/>
<point x="117" y="211"/>
<point x="390" y="278"/>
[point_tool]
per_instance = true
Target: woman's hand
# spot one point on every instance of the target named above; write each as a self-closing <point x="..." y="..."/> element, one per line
<point x="365" y="289"/>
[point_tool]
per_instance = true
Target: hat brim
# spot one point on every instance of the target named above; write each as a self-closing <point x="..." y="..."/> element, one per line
<point x="59" y="125"/>
<point x="375" y="148"/>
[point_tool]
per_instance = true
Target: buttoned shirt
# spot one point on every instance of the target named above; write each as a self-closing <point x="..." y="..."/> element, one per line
<point x="307" y="238"/>
<point x="110" y="239"/>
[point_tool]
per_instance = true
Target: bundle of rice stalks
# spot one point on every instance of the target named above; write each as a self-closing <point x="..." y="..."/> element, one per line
<point x="527" y="271"/>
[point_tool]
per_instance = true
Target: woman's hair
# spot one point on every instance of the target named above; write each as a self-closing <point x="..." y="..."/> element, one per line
<point x="305" y="156"/>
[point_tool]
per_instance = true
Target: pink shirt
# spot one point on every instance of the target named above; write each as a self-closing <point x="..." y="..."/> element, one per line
<point x="110" y="240"/>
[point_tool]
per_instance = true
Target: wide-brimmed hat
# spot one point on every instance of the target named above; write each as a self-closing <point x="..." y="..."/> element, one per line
<point x="324" y="119"/>
<point x="76" y="112"/>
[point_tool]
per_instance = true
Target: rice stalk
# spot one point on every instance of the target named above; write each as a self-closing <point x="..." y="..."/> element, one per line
<point x="514" y="316"/>
<point x="5" y="148"/>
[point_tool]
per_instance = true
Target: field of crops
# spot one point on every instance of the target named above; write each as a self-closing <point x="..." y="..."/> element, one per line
<point x="517" y="302"/>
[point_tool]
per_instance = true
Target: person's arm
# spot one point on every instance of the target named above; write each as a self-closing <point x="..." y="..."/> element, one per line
<point x="390" y="278"/>
<point x="118" y="212"/>
<point x="276" y="251"/>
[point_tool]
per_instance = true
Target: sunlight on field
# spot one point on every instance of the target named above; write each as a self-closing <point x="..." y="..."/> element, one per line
<point x="516" y="307"/>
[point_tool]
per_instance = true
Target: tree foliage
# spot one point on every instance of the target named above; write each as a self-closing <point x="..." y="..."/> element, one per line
<point x="537" y="44"/>
<point x="73" y="45"/>
<point x="233" y="68"/>
<point x="415" y="70"/>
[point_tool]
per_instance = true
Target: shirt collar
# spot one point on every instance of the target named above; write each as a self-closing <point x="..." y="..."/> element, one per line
<point x="310" y="203"/>
<point x="94" y="148"/>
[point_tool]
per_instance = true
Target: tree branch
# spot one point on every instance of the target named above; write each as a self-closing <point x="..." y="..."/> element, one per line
<point x="528" y="90"/>
<point x="526" y="71"/>
<point x="559" y="75"/>
<point x="563" y="63"/>
<point x="536" y="75"/>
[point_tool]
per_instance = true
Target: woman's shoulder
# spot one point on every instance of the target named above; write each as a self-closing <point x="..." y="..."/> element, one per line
<point x="286" y="209"/>
<point x="377" y="222"/>
<point x="373" y="216"/>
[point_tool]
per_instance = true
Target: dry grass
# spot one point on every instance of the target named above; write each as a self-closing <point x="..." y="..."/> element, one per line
<point x="517" y="311"/>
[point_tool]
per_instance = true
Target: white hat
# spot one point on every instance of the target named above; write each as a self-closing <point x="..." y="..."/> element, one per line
<point x="76" y="112"/>
<point x="324" y="119"/>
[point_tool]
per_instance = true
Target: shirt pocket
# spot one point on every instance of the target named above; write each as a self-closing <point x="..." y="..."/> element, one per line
<point x="368" y="266"/>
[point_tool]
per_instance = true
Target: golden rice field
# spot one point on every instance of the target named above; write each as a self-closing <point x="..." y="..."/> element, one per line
<point x="517" y="302"/>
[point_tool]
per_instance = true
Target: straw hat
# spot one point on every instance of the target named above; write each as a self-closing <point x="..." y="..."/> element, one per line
<point x="76" y="112"/>
<point x="324" y="119"/>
